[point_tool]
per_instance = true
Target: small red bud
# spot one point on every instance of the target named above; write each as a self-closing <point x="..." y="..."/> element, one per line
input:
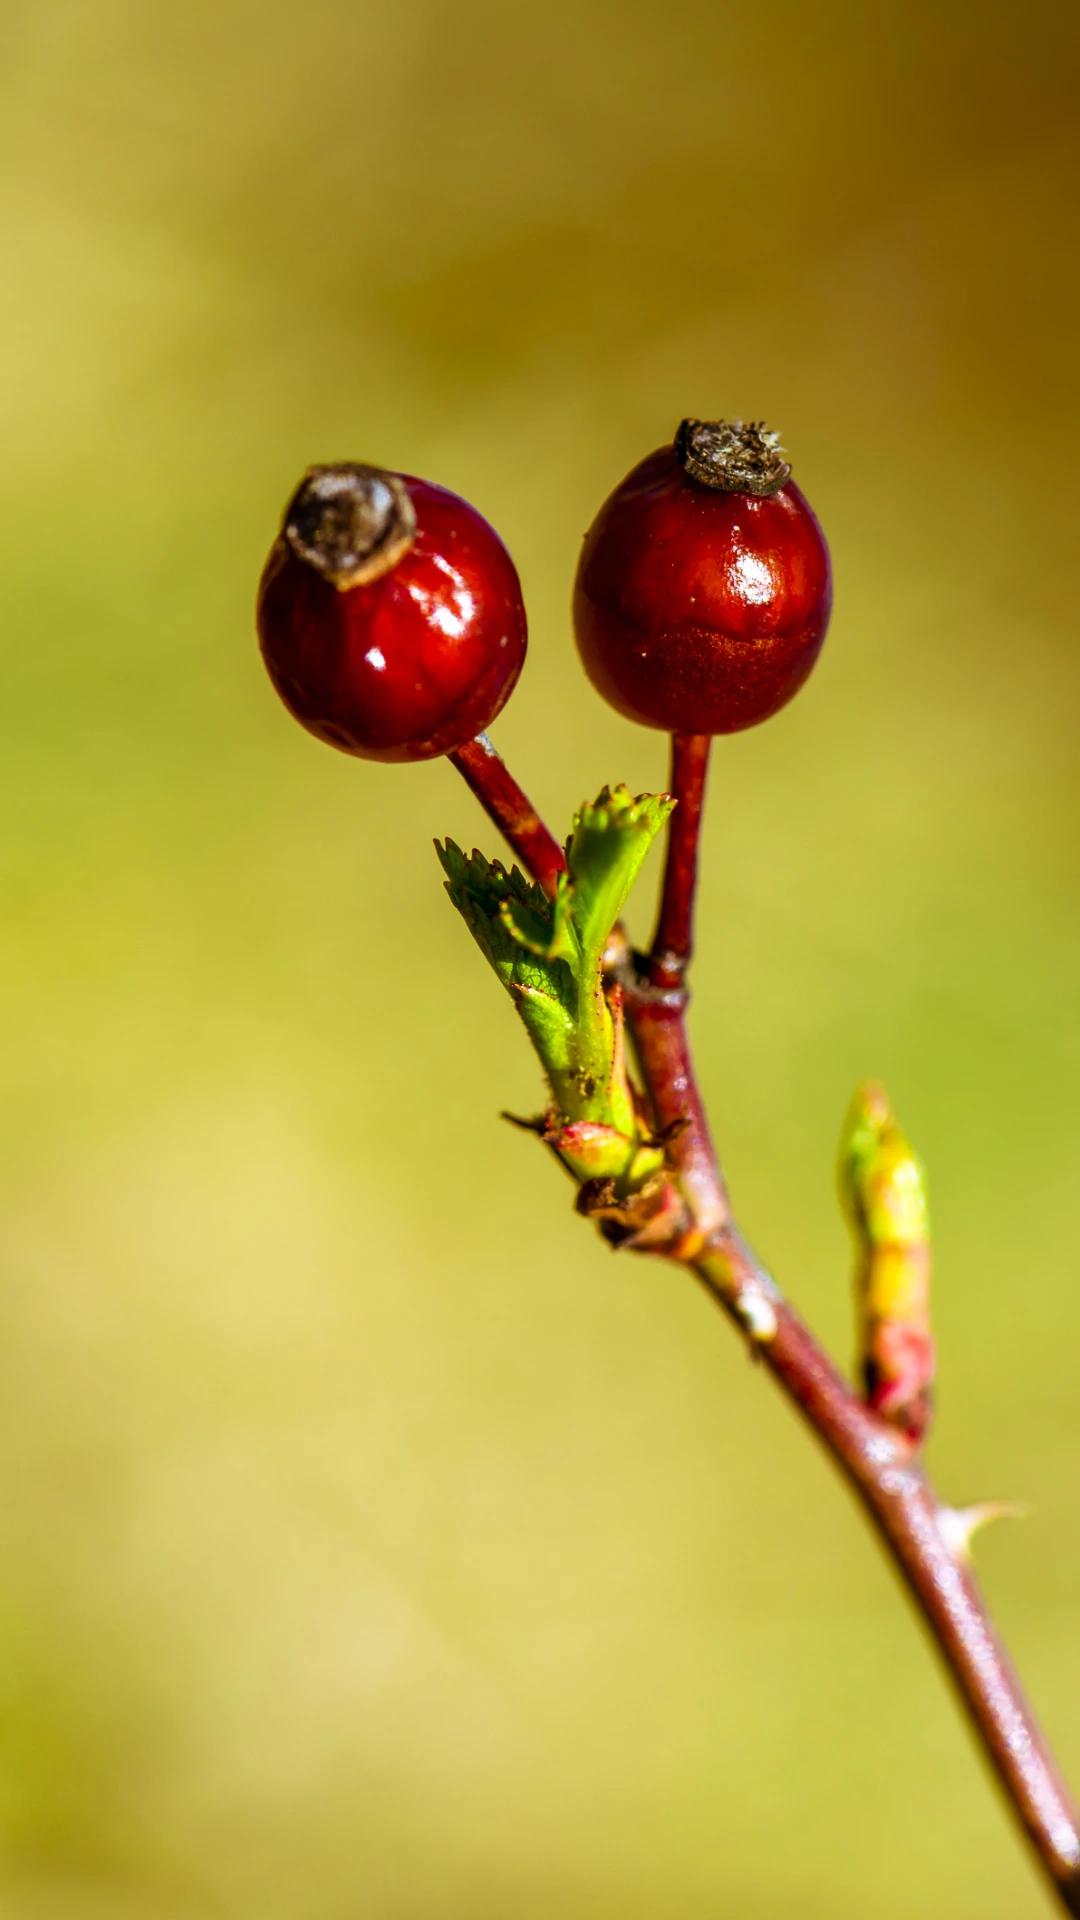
<point x="703" y="591"/>
<point x="390" y="614"/>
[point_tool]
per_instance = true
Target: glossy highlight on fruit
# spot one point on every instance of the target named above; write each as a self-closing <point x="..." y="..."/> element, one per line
<point x="389" y="614"/>
<point x="703" y="591"/>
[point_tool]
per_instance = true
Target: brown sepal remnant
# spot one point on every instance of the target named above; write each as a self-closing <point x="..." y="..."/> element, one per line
<point x="653" y="1220"/>
<point x="350" y="522"/>
<point x="735" y="456"/>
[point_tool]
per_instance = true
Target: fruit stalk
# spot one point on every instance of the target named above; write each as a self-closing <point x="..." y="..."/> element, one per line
<point x="877" y="1460"/>
<point x="673" y="943"/>
<point x="486" y="775"/>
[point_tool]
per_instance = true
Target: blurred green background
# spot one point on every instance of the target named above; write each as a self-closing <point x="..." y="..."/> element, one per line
<point x="372" y="1543"/>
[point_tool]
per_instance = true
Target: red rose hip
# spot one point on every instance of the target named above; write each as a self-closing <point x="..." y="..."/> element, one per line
<point x="703" y="591"/>
<point x="390" y="614"/>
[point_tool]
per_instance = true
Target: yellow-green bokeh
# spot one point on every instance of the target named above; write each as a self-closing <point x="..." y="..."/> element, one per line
<point x="372" y="1543"/>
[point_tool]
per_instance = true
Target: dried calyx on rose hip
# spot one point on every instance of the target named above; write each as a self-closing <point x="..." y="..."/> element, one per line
<point x="390" y="614"/>
<point x="703" y="591"/>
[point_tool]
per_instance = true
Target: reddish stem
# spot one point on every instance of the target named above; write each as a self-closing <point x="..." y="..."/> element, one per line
<point x="881" y="1465"/>
<point x="673" y="943"/>
<point x="876" y="1460"/>
<point x="485" y="772"/>
<point x="656" y="1018"/>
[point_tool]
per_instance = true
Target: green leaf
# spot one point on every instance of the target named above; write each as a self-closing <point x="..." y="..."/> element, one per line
<point x="492" y="903"/>
<point x="549" y="955"/>
<point x="604" y="854"/>
<point x="550" y="1028"/>
<point x="551" y="935"/>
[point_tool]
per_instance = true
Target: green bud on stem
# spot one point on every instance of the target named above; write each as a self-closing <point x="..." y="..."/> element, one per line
<point x="883" y="1192"/>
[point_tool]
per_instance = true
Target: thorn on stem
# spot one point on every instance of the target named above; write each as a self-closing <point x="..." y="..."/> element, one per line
<point x="959" y="1525"/>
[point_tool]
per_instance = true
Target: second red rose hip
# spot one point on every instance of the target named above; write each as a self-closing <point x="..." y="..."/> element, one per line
<point x="703" y="591"/>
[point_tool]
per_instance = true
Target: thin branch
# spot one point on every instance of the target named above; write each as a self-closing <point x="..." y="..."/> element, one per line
<point x="673" y="943"/>
<point x="875" y="1458"/>
<point x="881" y="1465"/>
